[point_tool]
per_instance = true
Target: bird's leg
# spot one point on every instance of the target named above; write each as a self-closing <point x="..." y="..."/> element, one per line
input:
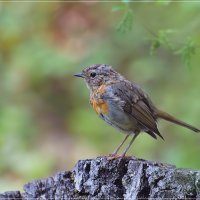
<point x="118" y="148"/>
<point x="131" y="142"/>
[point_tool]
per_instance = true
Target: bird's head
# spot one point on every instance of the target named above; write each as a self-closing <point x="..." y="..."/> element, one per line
<point x="99" y="74"/>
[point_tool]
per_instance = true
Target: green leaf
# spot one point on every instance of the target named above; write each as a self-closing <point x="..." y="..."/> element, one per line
<point x="126" y="23"/>
<point x="187" y="51"/>
<point x="154" y="46"/>
<point x="164" y="38"/>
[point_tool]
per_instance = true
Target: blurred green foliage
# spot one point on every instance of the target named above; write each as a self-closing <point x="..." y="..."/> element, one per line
<point x="46" y="123"/>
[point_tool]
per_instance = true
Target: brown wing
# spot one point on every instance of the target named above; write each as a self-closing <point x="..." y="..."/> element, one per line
<point x="138" y="105"/>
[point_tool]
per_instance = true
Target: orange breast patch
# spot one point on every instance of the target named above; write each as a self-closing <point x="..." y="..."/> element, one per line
<point x="100" y="106"/>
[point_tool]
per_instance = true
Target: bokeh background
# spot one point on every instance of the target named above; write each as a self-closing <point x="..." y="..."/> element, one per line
<point x="46" y="122"/>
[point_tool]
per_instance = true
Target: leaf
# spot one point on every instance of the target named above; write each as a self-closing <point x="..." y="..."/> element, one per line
<point x="187" y="51"/>
<point x="154" y="46"/>
<point x="126" y="23"/>
<point x="163" y="37"/>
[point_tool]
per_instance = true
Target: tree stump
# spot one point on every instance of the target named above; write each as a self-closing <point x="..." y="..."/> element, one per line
<point x="125" y="178"/>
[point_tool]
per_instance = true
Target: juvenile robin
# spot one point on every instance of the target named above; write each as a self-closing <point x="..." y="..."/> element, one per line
<point x="123" y="104"/>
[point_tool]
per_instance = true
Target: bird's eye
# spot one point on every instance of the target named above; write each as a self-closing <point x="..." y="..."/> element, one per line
<point x="93" y="74"/>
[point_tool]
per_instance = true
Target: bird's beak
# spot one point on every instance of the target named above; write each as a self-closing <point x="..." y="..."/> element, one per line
<point x="79" y="75"/>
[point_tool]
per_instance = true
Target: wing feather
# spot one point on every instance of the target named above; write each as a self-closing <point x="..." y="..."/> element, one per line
<point x="138" y="105"/>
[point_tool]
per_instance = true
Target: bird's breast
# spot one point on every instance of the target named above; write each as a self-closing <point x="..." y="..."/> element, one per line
<point x="97" y="101"/>
<point x="100" y="106"/>
<point x="109" y="108"/>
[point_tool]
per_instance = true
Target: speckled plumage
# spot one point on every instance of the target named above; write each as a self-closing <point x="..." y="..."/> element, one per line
<point x="123" y="104"/>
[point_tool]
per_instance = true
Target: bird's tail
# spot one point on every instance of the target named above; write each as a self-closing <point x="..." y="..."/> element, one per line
<point x="170" y="118"/>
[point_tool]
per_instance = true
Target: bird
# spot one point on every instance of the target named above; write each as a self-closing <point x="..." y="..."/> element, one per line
<point x="124" y="105"/>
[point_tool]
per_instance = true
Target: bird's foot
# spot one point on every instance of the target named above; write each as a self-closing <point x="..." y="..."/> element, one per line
<point x="115" y="156"/>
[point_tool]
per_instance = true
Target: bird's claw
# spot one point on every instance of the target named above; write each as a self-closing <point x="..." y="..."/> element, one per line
<point x="115" y="156"/>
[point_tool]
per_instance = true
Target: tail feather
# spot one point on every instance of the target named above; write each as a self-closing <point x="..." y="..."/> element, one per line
<point x="170" y="118"/>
